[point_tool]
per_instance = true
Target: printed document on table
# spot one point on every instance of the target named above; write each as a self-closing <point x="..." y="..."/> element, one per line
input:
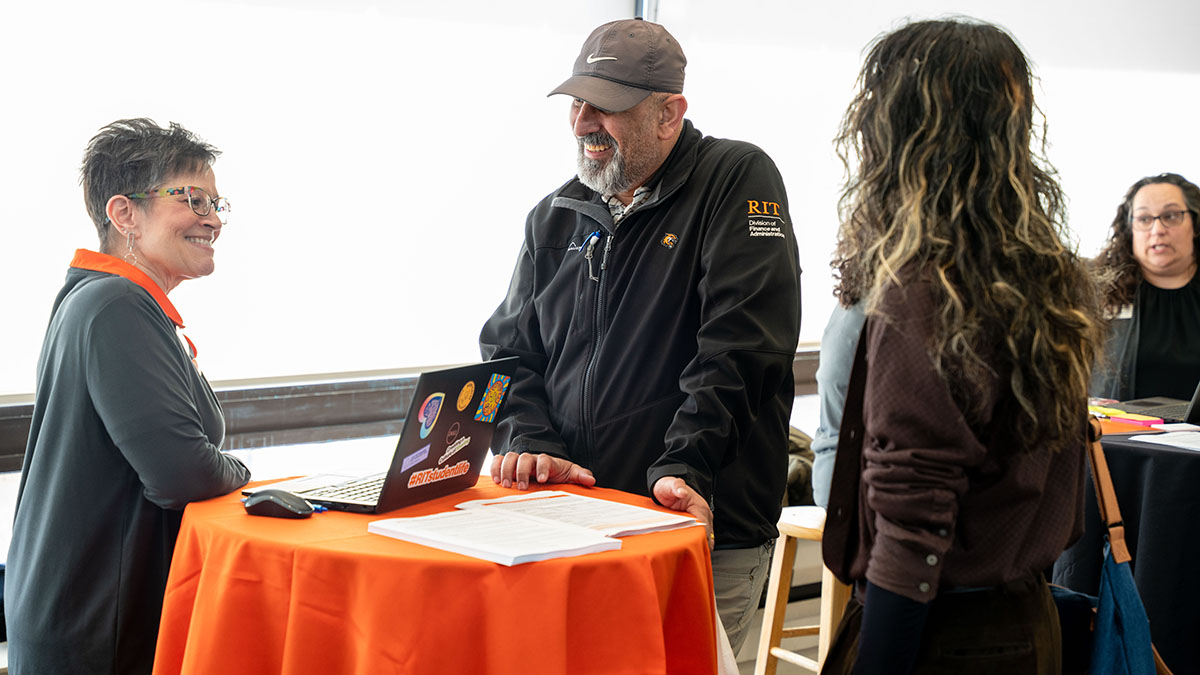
<point x="1189" y="440"/>
<point x="599" y="515"/>
<point x="498" y="537"/>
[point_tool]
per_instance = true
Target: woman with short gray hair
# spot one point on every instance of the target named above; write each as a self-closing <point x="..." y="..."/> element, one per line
<point x="126" y="430"/>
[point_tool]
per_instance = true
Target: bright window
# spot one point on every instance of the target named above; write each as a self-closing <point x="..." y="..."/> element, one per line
<point x="421" y="135"/>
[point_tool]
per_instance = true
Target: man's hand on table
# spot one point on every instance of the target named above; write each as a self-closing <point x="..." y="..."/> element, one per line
<point x="674" y="493"/>
<point x="519" y="469"/>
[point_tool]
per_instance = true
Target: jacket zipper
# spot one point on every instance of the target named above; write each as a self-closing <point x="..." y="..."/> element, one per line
<point x="597" y="335"/>
<point x="589" y="247"/>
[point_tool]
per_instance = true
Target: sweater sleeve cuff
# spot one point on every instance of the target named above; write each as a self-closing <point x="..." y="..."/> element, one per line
<point x="902" y="569"/>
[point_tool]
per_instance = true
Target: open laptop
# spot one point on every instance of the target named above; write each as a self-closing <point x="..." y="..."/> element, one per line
<point x="441" y="449"/>
<point x="1169" y="409"/>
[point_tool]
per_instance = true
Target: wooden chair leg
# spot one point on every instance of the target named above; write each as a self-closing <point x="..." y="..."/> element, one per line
<point x="779" y="584"/>
<point x="834" y="596"/>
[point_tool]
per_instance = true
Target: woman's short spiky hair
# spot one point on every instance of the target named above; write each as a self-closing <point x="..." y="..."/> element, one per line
<point x="137" y="155"/>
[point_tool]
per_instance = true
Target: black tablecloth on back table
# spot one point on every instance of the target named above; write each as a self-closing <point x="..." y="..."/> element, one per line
<point x="1158" y="489"/>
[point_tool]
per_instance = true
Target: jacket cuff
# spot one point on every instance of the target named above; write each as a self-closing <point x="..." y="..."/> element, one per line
<point x="694" y="480"/>
<point x="538" y="447"/>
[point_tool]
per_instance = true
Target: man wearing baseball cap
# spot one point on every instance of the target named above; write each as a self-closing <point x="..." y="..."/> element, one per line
<point x="655" y="307"/>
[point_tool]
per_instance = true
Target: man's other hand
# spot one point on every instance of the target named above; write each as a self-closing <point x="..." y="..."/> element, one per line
<point x="674" y="493"/>
<point x="516" y="469"/>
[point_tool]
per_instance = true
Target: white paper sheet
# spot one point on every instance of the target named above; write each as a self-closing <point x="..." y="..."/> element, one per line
<point x="610" y="518"/>
<point x="1188" y="440"/>
<point x="499" y="537"/>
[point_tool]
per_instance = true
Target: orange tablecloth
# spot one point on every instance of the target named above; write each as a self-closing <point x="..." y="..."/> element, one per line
<point x="267" y="595"/>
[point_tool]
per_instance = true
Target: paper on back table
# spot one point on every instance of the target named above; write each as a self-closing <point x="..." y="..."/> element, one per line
<point x="1188" y="440"/>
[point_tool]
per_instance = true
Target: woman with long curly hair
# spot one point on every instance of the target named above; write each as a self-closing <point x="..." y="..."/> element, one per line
<point x="1152" y="296"/>
<point x="958" y="480"/>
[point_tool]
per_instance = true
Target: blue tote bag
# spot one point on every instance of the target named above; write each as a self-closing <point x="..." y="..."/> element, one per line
<point x="1120" y="639"/>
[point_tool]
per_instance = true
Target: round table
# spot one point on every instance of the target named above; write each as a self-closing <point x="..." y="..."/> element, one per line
<point x="265" y="595"/>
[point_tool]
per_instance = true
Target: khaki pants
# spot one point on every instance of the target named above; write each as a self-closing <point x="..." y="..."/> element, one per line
<point x="739" y="576"/>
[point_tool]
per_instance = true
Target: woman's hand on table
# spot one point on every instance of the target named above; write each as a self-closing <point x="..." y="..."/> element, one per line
<point x="675" y="494"/>
<point x="520" y="469"/>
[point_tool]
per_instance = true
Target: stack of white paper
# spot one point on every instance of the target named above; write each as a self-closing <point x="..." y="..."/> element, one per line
<point x="529" y="527"/>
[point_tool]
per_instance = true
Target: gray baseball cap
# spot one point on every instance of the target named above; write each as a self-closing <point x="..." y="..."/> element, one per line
<point x="622" y="62"/>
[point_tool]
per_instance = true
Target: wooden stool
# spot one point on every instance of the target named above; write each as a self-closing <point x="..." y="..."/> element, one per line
<point x="796" y="523"/>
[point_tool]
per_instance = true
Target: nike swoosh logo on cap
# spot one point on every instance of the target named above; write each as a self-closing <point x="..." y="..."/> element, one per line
<point x="592" y="58"/>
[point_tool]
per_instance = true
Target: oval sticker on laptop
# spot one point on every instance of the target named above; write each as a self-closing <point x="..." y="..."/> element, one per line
<point x="465" y="396"/>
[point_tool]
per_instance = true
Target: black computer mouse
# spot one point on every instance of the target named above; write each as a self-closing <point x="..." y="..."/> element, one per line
<point x="277" y="504"/>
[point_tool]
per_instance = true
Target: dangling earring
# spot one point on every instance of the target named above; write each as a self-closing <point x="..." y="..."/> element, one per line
<point x="130" y="256"/>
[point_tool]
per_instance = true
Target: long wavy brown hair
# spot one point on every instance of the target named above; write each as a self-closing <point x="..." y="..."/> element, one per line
<point x="1116" y="268"/>
<point x="944" y="186"/>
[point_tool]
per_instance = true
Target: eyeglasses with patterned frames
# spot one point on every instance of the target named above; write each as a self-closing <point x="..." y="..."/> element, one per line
<point x="1144" y="222"/>
<point x="198" y="199"/>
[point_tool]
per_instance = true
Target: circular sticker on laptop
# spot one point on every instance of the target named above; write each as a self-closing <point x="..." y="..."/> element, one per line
<point x="465" y="396"/>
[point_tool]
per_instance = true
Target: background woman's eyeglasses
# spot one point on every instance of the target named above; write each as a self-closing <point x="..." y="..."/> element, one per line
<point x="1169" y="219"/>
<point x="198" y="199"/>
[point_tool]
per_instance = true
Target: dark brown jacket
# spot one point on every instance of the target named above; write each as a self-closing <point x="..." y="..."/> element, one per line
<point x="933" y="501"/>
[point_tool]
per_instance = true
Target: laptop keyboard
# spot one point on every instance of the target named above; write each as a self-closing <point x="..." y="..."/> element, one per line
<point x="366" y="490"/>
<point x="1171" y="412"/>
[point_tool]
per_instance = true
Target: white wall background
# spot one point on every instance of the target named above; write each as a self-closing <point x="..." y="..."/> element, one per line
<point x="381" y="156"/>
<point x="1119" y="86"/>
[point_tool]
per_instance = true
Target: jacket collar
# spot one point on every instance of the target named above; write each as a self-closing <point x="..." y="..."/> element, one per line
<point x="102" y="262"/>
<point x="678" y="165"/>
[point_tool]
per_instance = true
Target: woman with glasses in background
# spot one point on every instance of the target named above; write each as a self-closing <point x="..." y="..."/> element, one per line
<point x="126" y="430"/>
<point x="1152" y="294"/>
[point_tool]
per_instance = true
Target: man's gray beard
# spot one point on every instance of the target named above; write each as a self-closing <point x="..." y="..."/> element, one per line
<point x="606" y="179"/>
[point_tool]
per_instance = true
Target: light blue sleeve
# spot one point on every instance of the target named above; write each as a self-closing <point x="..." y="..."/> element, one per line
<point x="838" y="344"/>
